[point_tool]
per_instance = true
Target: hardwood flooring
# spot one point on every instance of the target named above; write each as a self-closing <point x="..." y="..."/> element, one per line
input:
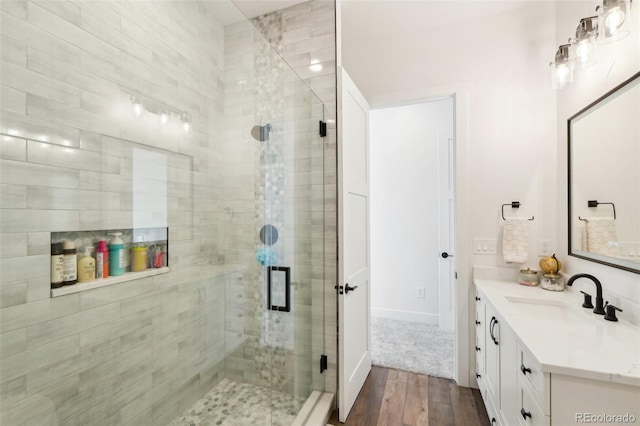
<point x="399" y="398"/>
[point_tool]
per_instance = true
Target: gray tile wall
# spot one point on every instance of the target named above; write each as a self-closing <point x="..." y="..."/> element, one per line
<point x="71" y="158"/>
<point x="140" y="352"/>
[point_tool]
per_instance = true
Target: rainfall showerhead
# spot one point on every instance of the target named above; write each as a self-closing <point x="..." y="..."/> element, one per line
<point x="261" y="133"/>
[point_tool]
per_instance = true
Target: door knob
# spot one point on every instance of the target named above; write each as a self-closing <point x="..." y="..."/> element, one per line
<point x="348" y="288"/>
<point x="444" y="255"/>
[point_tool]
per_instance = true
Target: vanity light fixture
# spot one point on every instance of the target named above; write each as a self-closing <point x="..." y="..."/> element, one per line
<point x="562" y="68"/>
<point x="163" y="113"/>
<point x="612" y="16"/>
<point x="584" y="46"/>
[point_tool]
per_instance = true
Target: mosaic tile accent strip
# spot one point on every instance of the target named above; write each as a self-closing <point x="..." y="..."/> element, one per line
<point x="239" y="404"/>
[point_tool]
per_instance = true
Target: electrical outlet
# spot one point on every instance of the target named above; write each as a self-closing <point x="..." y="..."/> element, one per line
<point x="421" y="292"/>
<point x="543" y="248"/>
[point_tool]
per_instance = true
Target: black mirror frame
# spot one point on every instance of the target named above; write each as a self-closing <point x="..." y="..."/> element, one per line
<point x="573" y="117"/>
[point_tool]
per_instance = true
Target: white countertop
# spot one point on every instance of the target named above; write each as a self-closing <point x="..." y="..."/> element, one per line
<point x="564" y="337"/>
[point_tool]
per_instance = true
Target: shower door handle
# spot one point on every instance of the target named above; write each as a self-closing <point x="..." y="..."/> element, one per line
<point x="287" y="288"/>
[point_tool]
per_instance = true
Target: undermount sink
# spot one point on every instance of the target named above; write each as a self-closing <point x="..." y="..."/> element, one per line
<point x="536" y="301"/>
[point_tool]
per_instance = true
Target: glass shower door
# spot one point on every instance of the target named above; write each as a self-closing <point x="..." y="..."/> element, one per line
<point x="292" y="241"/>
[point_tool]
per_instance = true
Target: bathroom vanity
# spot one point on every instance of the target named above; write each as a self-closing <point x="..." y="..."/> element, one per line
<point x="542" y="359"/>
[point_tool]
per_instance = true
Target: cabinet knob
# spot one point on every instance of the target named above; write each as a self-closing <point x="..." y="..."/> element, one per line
<point x="493" y="420"/>
<point x="477" y="298"/>
<point x="477" y="322"/>
<point x="524" y="414"/>
<point x="477" y="349"/>
<point x="524" y="369"/>
<point x="478" y="376"/>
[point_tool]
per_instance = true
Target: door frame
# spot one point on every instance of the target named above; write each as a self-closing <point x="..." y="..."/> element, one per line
<point x="463" y="287"/>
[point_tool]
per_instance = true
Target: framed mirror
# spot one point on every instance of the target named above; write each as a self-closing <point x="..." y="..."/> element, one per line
<point x="604" y="179"/>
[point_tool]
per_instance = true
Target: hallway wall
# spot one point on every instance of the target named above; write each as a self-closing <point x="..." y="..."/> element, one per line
<point x="405" y="208"/>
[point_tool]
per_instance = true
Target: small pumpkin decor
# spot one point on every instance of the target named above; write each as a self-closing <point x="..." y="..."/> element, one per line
<point x="550" y="265"/>
<point x="552" y="280"/>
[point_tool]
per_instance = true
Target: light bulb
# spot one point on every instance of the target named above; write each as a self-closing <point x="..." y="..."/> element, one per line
<point x="614" y="19"/>
<point x="186" y="126"/>
<point x="164" y="119"/>
<point x="562" y="74"/>
<point x="315" y="66"/>
<point x="583" y="51"/>
<point x="138" y="109"/>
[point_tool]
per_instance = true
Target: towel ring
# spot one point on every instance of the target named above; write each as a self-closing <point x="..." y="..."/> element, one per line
<point x="514" y="205"/>
<point x="595" y="203"/>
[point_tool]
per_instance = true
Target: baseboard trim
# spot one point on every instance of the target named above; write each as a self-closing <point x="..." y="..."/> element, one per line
<point x="412" y="316"/>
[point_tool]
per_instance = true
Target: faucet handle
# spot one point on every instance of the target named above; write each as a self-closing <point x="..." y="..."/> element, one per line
<point x="587" y="300"/>
<point x="611" y="312"/>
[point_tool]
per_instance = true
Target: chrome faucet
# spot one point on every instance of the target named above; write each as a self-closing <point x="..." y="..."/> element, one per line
<point x="599" y="309"/>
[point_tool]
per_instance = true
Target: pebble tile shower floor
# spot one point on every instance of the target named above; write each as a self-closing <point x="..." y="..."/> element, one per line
<point x="240" y="404"/>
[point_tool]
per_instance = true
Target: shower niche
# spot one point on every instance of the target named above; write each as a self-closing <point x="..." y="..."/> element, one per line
<point x="117" y="255"/>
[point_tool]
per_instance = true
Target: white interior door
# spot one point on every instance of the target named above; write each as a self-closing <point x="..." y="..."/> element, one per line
<point x="354" y="348"/>
<point x="446" y="267"/>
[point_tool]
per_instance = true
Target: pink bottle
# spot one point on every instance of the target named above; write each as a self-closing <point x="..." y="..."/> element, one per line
<point x="102" y="260"/>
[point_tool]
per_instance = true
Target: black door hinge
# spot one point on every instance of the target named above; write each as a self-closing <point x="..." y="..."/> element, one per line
<point x="323" y="129"/>
<point x="323" y="363"/>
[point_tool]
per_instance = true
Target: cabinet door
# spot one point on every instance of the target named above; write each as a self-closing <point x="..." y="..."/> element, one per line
<point x="480" y="332"/>
<point x="492" y="354"/>
<point x="508" y="377"/>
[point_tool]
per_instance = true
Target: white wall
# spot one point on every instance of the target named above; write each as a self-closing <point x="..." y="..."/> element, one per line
<point x="494" y="56"/>
<point x="404" y="208"/>
<point x="616" y="63"/>
<point x="504" y="71"/>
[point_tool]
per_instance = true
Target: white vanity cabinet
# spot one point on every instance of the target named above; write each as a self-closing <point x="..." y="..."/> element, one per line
<point x="518" y="389"/>
<point x="496" y="363"/>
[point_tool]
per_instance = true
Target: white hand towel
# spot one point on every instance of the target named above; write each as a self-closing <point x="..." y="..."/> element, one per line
<point x="585" y="238"/>
<point x="515" y="240"/>
<point x="601" y="236"/>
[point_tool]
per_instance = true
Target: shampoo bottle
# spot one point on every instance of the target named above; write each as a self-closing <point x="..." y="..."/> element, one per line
<point x="117" y="260"/>
<point x="86" y="267"/>
<point x="139" y="255"/>
<point x="102" y="260"/>
<point x="57" y="265"/>
<point x="70" y="274"/>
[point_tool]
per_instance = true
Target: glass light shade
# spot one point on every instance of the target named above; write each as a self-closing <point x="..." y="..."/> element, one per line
<point x="186" y="122"/>
<point x="561" y="68"/>
<point x="585" y="51"/>
<point x="611" y="20"/>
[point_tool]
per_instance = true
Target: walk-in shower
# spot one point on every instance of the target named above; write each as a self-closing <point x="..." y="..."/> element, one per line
<point x="136" y="115"/>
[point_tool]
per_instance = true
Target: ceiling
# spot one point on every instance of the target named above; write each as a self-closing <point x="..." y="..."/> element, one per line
<point x="229" y="12"/>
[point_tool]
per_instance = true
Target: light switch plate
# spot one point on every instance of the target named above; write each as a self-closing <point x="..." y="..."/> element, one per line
<point x="484" y="246"/>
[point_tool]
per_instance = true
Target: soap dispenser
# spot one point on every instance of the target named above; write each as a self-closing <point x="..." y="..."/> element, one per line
<point x="117" y="259"/>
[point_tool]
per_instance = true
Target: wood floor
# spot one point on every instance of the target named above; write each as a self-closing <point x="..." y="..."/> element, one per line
<point x="398" y="398"/>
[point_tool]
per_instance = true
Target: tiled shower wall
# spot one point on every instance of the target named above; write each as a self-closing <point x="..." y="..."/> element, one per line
<point x="139" y="352"/>
<point x="302" y="35"/>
